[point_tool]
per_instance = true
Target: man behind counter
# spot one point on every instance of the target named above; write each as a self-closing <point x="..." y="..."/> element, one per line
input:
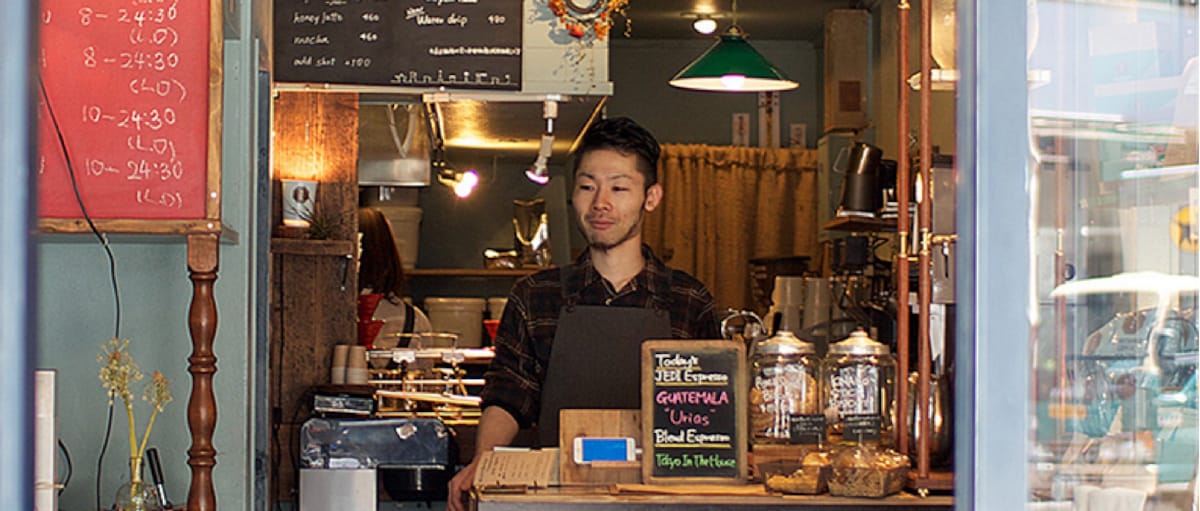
<point x="594" y="313"/>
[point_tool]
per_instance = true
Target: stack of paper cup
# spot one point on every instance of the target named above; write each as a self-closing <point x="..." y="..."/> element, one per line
<point x="337" y="371"/>
<point x="356" y="365"/>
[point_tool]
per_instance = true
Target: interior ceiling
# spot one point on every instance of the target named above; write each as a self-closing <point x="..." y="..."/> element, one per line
<point x="474" y="131"/>
<point x="760" y="19"/>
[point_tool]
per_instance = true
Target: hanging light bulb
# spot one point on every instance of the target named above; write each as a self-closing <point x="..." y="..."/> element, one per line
<point x="704" y="24"/>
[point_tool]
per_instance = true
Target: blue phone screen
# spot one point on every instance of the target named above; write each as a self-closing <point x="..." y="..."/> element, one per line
<point x="603" y="449"/>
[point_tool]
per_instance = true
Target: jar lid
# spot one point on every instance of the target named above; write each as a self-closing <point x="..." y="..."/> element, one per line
<point x="859" y="343"/>
<point x="784" y="343"/>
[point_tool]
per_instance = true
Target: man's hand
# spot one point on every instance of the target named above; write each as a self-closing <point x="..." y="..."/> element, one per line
<point x="460" y="485"/>
<point x="496" y="427"/>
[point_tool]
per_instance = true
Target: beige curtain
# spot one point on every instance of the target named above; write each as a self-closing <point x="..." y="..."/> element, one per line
<point x="726" y="205"/>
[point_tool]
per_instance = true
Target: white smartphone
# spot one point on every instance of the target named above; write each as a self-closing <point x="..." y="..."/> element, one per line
<point x="590" y="449"/>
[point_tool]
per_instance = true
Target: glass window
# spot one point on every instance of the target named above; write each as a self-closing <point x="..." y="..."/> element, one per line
<point x="1113" y="120"/>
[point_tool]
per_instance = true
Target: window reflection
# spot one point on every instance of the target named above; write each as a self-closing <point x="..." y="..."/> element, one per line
<point x="1113" y="155"/>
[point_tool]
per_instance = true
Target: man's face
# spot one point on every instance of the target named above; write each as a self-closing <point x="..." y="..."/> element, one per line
<point x="611" y="198"/>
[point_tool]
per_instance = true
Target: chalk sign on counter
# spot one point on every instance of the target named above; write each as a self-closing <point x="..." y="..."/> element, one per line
<point x="693" y="412"/>
<point x="427" y="44"/>
<point x="133" y="91"/>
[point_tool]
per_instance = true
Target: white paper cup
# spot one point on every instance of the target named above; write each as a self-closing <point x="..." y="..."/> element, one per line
<point x="337" y="370"/>
<point x="356" y="359"/>
<point x="356" y="375"/>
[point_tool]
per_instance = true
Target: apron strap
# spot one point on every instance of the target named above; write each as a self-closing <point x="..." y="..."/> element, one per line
<point x="662" y="299"/>
<point x="410" y="318"/>
<point x="569" y="298"/>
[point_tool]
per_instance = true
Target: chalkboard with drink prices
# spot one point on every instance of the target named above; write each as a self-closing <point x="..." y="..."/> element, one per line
<point x="431" y="44"/>
<point x="693" y="412"/>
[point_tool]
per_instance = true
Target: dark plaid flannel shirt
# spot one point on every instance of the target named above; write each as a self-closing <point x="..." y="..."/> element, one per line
<point x="514" y="379"/>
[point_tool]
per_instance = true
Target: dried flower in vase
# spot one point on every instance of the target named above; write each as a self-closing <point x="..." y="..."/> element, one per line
<point x="119" y="372"/>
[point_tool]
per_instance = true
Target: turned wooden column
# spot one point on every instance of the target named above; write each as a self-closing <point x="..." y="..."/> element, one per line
<point x="202" y="404"/>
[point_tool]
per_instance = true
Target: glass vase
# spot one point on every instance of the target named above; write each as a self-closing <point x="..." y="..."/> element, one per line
<point x="136" y="494"/>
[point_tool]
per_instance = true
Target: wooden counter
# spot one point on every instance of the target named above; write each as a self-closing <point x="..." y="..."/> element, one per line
<point x="599" y="498"/>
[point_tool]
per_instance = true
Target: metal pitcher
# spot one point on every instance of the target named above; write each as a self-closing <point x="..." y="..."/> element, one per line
<point x="941" y="438"/>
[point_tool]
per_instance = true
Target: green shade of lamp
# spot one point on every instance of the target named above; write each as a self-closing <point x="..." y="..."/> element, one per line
<point x="732" y="65"/>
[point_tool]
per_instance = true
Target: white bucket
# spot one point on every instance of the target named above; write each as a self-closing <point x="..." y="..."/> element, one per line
<point x="406" y="228"/>
<point x="463" y="316"/>
<point x="495" y="306"/>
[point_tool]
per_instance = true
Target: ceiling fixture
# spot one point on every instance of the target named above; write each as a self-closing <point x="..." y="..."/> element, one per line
<point x="732" y="65"/>
<point x="704" y="24"/>
<point x="538" y="173"/>
<point x="463" y="183"/>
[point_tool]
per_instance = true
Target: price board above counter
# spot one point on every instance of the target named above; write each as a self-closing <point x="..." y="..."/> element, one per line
<point x="455" y="44"/>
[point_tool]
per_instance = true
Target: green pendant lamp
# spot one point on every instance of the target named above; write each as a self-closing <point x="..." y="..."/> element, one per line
<point x="732" y="65"/>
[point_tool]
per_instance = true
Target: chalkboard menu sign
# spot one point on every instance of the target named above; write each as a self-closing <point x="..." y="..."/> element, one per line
<point x="693" y="412"/>
<point x="457" y="44"/>
<point x="130" y="97"/>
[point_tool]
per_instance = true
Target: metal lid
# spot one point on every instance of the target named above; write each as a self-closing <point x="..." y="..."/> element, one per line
<point x="859" y="343"/>
<point x="784" y="343"/>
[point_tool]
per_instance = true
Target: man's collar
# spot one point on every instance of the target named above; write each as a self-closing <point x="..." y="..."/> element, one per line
<point x="653" y="276"/>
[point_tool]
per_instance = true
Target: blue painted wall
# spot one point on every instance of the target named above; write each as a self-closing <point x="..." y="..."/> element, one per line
<point x="76" y="315"/>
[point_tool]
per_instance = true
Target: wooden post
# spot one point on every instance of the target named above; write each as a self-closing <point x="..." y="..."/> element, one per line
<point x="903" y="187"/>
<point x="202" y="255"/>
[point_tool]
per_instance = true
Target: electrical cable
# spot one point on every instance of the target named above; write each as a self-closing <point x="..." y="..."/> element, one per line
<point x="70" y="467"/>
<point x="103" y="449"/>
<point x="112" y="262"/>
<point x="112" y="265"/>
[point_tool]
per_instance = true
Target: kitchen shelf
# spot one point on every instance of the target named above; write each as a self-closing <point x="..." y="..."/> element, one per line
<point x="297" y="246"/>
<point x="471" y="272"/>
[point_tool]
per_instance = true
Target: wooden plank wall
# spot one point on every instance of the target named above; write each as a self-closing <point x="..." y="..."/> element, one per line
<point x="313" y="297"/>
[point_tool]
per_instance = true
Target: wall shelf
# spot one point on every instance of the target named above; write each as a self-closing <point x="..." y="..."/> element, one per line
<point x="860" y="224"/>
<point x="297" y="246"/>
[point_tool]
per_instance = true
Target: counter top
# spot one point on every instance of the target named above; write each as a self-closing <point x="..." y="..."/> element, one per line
<point x="600" y="498"/>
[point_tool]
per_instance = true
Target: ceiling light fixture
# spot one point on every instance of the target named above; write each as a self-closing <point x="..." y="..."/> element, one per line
<point x="732" y="65"/>
<point x="463" y="183"/>
<point x="539" y="173"/>
<point x="704" y="24"/>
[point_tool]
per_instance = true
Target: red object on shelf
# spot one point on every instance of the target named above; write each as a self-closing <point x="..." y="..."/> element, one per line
<point x="491" y="325"/>
<point x="368" y="331"/>
<point x="367" y="305"/>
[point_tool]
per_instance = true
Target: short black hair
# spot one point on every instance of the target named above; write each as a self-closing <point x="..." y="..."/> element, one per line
<point x="625" y="136"/>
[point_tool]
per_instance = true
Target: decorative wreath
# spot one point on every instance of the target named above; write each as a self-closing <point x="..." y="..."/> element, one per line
<point x="580" y="16"/>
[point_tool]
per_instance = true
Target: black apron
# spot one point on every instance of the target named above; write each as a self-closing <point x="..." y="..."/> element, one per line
<point x="595" y="360"/>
